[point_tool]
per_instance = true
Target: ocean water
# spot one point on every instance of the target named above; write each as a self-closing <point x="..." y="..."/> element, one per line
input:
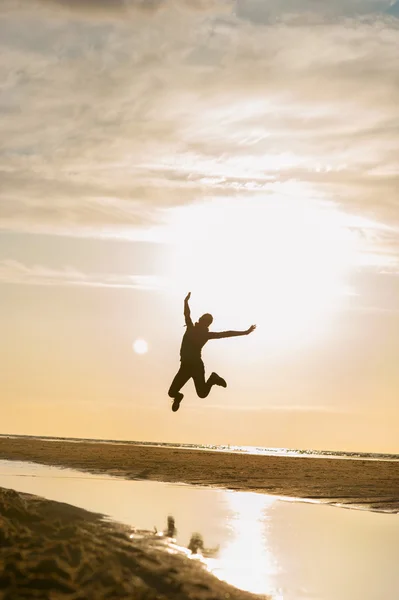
<point x="223" y="448"/>
<point x="259" y="543"/>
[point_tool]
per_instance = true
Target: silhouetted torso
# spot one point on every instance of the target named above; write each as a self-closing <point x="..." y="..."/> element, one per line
<point x="193" y="341"/>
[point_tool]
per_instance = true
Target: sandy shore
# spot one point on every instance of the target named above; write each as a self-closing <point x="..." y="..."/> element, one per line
<point x="354" y="483"/>
<point x="50" y="550"/>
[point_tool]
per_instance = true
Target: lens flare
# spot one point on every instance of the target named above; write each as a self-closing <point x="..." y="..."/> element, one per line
<point x="140" y="346"/>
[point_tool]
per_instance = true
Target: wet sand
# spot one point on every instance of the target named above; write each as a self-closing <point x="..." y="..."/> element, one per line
<point x="51" y="550"/>
<point x="366" y="484"/>
<point x="255" y="542"/>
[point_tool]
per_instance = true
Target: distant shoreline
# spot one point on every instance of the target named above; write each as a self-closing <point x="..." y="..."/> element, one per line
<point x="256" y="450"/>
<point x="353" y="483"/>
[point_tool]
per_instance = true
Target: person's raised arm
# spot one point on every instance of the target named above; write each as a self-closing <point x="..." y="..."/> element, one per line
<point x="217" y="335"/>
<point x="187" y="313"/>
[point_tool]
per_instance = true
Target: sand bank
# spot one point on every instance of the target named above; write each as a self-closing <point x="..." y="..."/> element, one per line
<point x="50" y="550"/>
<point x="353" y="483"/>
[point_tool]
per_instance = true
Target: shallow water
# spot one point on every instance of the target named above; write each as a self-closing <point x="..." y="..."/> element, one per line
<point x="290" y="550"/>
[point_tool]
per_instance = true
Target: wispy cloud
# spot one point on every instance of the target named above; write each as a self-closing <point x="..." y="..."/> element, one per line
<point x="107" y="124"/>
<point x="124" y="7"/>
<point x="16" y="273"/>
<point x="256" y="10"/>
<point x="267" y="10"/>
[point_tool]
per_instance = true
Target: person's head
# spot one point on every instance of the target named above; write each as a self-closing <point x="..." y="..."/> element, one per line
<point x="205" y="320"/>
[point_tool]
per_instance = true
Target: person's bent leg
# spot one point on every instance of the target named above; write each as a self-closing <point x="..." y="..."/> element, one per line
<point x="180" y="379"/>
<point x="202" y="387"/>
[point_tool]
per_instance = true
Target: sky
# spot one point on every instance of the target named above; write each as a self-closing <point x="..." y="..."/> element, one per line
<point x="246" y="151"/>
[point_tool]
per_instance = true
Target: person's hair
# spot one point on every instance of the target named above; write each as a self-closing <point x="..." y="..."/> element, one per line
<point x="206" y="318"/>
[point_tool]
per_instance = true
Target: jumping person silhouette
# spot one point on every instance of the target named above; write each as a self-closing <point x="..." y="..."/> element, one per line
<point x="191" y="365"/>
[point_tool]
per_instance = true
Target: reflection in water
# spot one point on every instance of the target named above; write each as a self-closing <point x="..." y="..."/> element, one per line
<point x="197" y="546"/>
<point x="171" y="531"/>
<point x="286" y="549"/>
<point x="246" y="561"/>
<point x="228" y="531"/>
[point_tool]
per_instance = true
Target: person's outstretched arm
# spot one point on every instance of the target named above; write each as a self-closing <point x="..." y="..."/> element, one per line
<point x="187" y="313"/>
<point x="217" y="335"/>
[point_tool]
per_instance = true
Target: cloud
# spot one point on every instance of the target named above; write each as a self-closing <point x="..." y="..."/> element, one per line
<point x="394" y="9"/>
<point x="258" y="11"/>
<point x="123" y="8"/>
<point x="266" y="11"/>
<point x="108" y="126"/>
<point x="17" y="273"/>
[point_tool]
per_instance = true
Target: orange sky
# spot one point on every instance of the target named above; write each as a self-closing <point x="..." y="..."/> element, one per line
<point x="245" y="151"/>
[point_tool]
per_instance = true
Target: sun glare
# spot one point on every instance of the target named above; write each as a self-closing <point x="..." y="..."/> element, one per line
<point x="281" y="264"/>
<point x="140" y="346"/>
<point x="247" y="561"/>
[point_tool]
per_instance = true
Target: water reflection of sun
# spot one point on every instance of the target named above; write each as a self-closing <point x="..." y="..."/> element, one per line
<point x="247" y="561"/>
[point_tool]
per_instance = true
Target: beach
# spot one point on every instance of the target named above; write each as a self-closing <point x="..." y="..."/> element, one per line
<point x="55" y="550"/>
<point x="62" y="543"/>
<point x="355" y="483"/>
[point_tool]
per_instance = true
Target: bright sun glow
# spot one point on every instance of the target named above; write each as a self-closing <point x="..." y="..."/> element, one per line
<point x="281" y="264"/>
<point x="140" y="346"/>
